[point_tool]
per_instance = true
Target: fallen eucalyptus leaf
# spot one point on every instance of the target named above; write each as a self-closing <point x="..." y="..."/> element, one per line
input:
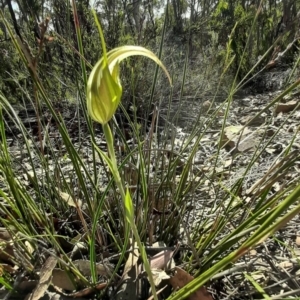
<point x="84" y="266"/>
<point x="286" y="107"/>
<point x="63" y="280"/>
<point x="182" y="278"/>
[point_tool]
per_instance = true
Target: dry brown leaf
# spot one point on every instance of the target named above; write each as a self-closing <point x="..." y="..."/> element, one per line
<point x="231" y="136"/>
<point x="161" y="260"/>
<point x="247" y="145"/>
<point x="69" y="199"/>
<point x="286" y="107"/>
<point x="252" y="120"/>
<point x="63" y="280"/>
<point x="84" y="266"/>
<point x="131" y="280"/>
<point x="230" y="133"/>
<point x="132" y="259"/>
<point x="130" y="287"/>
<point x="45" y="279"/>
<point x="182" y="278"/>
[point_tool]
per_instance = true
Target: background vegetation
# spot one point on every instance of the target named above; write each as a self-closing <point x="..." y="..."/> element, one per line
<point x="199" y="29"/>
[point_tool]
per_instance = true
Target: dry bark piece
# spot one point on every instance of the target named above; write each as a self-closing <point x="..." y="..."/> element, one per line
<point x="45" y="279"/>
<point x="182" y="278"/>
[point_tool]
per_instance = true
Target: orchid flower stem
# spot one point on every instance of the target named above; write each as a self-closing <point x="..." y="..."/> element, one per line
<point x="115" y="172"/>
<point x="131" y="223"/>
<point x="112" y="155"/>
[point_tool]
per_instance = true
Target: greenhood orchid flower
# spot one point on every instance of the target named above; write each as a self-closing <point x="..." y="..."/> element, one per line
<point x="104" y="92"/>
<point x="104" y="89"/>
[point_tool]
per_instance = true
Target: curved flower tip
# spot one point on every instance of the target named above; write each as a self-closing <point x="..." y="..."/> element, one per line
<point x="104" y="89"/>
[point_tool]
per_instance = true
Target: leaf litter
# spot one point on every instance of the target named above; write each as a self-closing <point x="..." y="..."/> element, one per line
<point x="267" y="173"/>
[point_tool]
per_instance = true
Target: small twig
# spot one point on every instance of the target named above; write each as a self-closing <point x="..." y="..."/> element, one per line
<point x="234" y="269"/>
<point x="283" y="295"/>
